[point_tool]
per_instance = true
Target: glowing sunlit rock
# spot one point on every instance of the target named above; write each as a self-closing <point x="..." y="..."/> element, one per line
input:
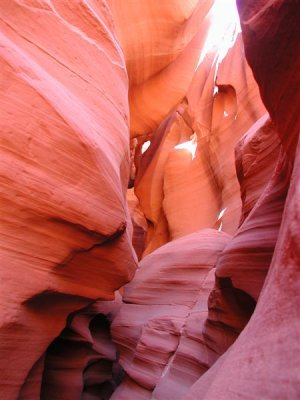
<point x="190" y="145"/>
<point x="127" y="129"/>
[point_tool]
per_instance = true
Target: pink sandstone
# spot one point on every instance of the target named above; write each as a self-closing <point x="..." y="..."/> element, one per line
<point x="169" y="291"/>
<point x="65" y="163"/>
<point x="210" y="207"/>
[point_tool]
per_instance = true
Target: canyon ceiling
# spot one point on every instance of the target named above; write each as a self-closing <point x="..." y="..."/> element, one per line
<point x="150" y="199"/>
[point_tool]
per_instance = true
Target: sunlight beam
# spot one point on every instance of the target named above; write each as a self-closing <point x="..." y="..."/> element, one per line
<point x="190" y="145"/>
<point x="145" y="146"/>
<point x="223" y="30"/>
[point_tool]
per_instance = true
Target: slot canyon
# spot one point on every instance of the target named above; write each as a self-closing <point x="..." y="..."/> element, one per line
<point x="150" y="199"/>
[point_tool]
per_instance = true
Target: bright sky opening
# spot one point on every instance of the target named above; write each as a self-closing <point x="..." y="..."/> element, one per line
<point x="224" y="28"/>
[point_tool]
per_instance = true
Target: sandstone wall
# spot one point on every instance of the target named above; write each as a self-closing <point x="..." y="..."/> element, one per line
<point x="212" y="210"/>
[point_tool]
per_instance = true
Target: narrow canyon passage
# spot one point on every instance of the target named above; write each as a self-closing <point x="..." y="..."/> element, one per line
<point x="150" y="245"/>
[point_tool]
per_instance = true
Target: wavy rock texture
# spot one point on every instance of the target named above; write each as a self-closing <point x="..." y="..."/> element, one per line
<point x="65" y="163"/>
<point x="274" y="59"/>
<point x="264" y="171"/>
<point x="161" y="42"/>
<point x="247" y="257"/>
<point x="82" y="362"/>
<point x="256" y="156"/>
<point x="213" y="309"/>
<point x="190" y="164"/>
<point x="139" y="223"/>
<point x="268" y="349"/>
<point x="241" y="268"/>
<point x="161" y="349"/>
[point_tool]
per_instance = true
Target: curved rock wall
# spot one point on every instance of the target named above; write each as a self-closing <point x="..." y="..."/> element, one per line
<point x="65" y="167"/>
<point x="257" y="265"/>
<point x="213" y="207"/>
<point x="263" y="362"/>
<point x="161" y="41"/>
<point x="156" y="328"/>
<point x="82" y="362"/>
<point x="190" y="164"/>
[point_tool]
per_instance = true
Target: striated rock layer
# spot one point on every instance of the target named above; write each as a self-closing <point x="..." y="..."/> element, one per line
<point x="190" y="163"/>
<point x="65" y="167"/>
<point x="241" y="267"/>
<point x="264" y="361"/>
<point x="274" y="59"/>
<point x="161" y="41"/>
<point x="206" y="192"/>
<point x="246" y="347"/>
<point x="82" y="362"/>
<point x="158" y="328"/>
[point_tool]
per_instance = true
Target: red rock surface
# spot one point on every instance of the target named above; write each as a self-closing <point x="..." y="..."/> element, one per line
<point x="82" y="362"/>
<point x="190" y="164"/>
<point x="268" y="349"/>
<point x="264" y="361"/>
<point x="156" y="328"/>
<point x="211" y="206"/>
<point x="139" y="223"/>
<point x="161" y="41"/>
<point x="274" y="58"/>
<point x="65" y="167"/>
<point x="256" y="156"/>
